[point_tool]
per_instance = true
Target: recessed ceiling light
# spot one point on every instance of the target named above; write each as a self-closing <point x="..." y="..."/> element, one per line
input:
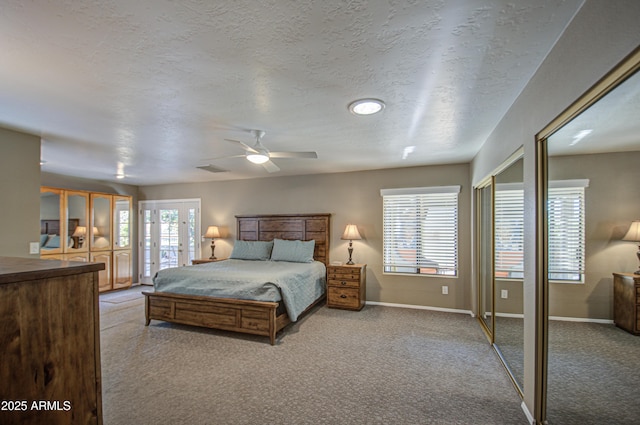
<point x="366" y="106"/>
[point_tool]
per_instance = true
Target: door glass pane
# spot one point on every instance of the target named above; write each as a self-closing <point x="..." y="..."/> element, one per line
<point x="191" y="224"/>
<point x="146" y="244"/>
<point x="169" y="238"/>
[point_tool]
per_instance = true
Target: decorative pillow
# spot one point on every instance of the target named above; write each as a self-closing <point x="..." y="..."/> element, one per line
<point x="53" y="242"/>
<point x="43" y="239"/>
<point x="251" y="250"/>
<point x="293" y="251"/>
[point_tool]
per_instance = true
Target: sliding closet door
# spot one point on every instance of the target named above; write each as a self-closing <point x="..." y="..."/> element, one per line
<point x="168" y="235"/>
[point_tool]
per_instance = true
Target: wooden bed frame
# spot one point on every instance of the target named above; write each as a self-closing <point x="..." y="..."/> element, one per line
<point x="252" y="317"/>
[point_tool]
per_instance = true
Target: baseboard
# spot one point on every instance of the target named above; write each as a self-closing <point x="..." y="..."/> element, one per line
<point x="421" y="307"/>
<point x="581" y="319"/>
<point x="528" y="414"/>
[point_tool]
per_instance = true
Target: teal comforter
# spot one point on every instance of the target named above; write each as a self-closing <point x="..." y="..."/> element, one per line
<point x="298" y="285"/>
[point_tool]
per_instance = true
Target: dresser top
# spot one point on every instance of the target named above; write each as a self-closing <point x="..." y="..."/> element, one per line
<point x="14" y="269"/>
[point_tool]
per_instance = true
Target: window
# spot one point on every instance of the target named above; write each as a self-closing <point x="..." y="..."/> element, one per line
<point x="509" y="231"/>
<point x="566" y="215"/>
<point x="420" y="230"/>
<point x="566" y="218"/>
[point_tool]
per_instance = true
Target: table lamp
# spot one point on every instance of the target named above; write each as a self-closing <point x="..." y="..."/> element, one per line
<point x="351" y="234"/>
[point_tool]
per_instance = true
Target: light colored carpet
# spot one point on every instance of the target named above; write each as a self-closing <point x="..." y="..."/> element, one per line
<point x="381" y="365"/>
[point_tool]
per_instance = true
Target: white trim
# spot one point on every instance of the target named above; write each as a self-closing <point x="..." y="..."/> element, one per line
<point x="569" y="183"/>
<point x="581" y="319"/>
<point x="528" y="414"/>
<point x="421" y="307"/>
<point x="510" y="186"/>
<point x="420" y="190"/>
<point x="511" y="315"/>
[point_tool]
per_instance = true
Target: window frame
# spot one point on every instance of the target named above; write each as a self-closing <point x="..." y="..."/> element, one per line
<point x="555" y="190"/>
<point x="419" y="201"/>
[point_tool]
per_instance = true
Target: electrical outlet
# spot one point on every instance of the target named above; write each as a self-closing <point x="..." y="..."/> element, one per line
<point x="504" y="294"/>
<point x="34" y="248"/>
<point x="445" y="290"/>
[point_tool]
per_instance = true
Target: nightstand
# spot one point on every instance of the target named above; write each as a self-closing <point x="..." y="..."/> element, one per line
<point x="626" y="302"/>
<point x="205" y="260"/>
<point x="346" y="286"/>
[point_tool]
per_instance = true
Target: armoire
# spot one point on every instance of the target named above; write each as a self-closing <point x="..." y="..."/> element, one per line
<point x="88" y="227"/>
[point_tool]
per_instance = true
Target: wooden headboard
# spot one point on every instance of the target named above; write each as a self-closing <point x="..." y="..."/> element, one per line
<point x="304" y="227"/>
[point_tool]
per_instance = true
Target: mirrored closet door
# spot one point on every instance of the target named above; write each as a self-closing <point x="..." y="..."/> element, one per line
<point x="589" y="160"/>
<point x="499" y="203"/>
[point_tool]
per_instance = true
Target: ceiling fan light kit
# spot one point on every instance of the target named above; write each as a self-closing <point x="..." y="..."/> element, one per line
<point x="257" y="158"/>
<point x="258" y="154"/>
<point x="368" y="106"/>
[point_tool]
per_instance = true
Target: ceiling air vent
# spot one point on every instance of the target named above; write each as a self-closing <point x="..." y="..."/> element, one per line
<point x="210" y="168"/>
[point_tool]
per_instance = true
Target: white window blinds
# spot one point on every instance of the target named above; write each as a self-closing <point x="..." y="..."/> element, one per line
<point x="566" y="218"/>
<point x="509" y="231"/>
<point x="420" y="230"/>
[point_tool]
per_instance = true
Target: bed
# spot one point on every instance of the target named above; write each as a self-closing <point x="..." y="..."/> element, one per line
<point x="262" y="316"/>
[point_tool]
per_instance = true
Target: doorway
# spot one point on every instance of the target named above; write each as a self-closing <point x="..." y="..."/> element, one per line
<point x="168" y="235"/>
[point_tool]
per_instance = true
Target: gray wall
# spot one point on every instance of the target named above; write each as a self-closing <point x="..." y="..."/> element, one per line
<point x="350" y="198"/>
<point x="610" y="207"/>
<point x="20" y="192"/>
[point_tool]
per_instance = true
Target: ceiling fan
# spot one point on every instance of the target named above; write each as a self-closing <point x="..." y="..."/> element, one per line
<point x="258" y="154"/>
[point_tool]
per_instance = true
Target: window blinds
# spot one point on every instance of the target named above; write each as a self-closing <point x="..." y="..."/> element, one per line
<point x="420" y="230"/>
<point x="566" y="237"/>
<point x="509" y="231"/>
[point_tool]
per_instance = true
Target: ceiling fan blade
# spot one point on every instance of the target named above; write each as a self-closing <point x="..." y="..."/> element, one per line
<point x="311" y="155"/>
<point x="223" y="157"/>
<point x="271" y="167"/>
<point x="243" y="145"/>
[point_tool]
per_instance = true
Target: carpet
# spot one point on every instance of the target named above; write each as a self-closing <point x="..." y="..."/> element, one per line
<point x="381" y="365"/>
<point x="120" y="298"/>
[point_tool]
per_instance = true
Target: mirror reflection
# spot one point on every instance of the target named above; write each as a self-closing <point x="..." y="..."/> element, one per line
<point x="50" y="226"/>
<point x="509" y="268"/>
<point x="101" y="222"/>
<point x="77" y="207"/>
<point x="485" y="281"/>
<point x="593" y="373"/>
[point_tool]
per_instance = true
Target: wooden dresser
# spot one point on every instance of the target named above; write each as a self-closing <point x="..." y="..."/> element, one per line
<point x="626" y="301"/>
<point x="49" y="342"/>
<point x="346" y="286"/>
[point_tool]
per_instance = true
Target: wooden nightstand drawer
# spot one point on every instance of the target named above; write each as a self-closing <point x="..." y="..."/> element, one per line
<point x="345" y="283"/>
<point x="346" y="286"/>
<point x="344" y="276"/>
<point x="343" y="297"/>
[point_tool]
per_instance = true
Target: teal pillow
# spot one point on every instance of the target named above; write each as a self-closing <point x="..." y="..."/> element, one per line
<point x="53" y="242"/>
<point x="293" y="251"/>
<point x="251" y="250"/>
<point x="43" y="239"/>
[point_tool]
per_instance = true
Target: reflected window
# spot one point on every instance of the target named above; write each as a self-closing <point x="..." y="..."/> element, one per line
<point x="509" y="231"/>
<point x="566" y="218"/>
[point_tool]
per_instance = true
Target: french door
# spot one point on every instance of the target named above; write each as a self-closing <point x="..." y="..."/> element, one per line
<point x="168" y="235"/>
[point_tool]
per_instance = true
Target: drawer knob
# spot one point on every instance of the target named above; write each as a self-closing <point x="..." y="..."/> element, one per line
<point x="343" y="296"/>
<point x="343" y="282"/>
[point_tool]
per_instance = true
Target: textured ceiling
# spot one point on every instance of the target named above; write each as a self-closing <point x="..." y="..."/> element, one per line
<point x="153" y="87"/>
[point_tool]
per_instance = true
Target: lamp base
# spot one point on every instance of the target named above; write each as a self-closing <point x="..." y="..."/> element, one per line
<point x="213" y="247"/>
<point x="350" y="249"/>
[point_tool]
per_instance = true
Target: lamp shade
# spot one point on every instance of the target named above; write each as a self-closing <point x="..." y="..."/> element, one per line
<point x="351" y="233"/>
<point x="212" y="232"/>
<point x="633" y="234"/>
<point x="79" y="231"/>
